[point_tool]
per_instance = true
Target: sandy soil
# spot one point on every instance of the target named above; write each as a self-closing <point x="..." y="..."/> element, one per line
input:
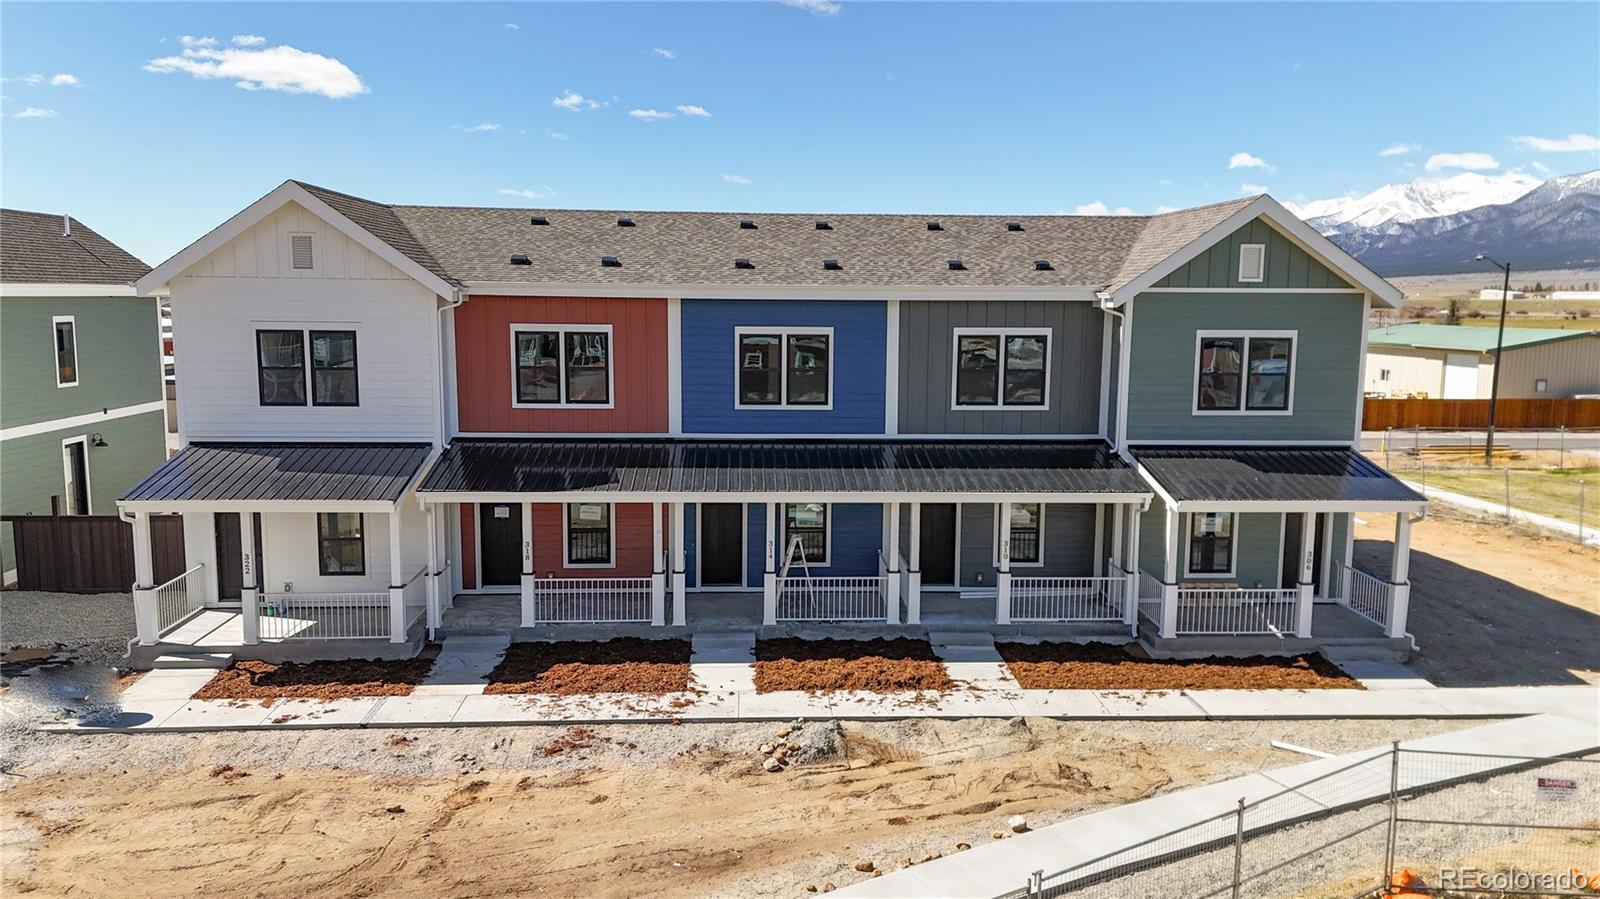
<point x="635" y="810"/>
<point x="1492" y="606"/>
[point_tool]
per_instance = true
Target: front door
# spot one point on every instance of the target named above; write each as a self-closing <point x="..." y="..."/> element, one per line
<point x="938" y="544"/>
<point x="500" y="541"/>
<point x="230" y="560"/>
<point x="721" y="544"/>
<point x="1291" y="552"/>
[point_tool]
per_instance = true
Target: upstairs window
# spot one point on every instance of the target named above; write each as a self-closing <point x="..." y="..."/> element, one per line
<point x="1003" y="369"/>
<point x="806" y="523"/>
<point x="1244" y="372"/>
<point x="283" y="357"/>
<point x="333" y="368"/>
<point x="561" y="365"/>
<point x="1211" y="543"/>
<point x="341" y="545"/>
<point x="66" y="342"/>
<point x="590" y="538"/>
<point x="784" y="368"/>
<point x="281" y="367"/>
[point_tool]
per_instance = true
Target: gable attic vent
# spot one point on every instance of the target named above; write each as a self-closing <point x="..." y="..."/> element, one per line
<point x="742" y="262"/>
<point x="1013" y="226"/>
<point x="624" y="222"/>
<point x="747" y="225"/>
<point x="935" y="226"/>
<point x="1252" y="262"/>
<point x="956" y="265"/>
<point x="1042" y="265"/>
<point x="520" y="259"/>
<point x="610" y="262"/>
<point x="538" y="220"/>
<point x="300" y="252"/>
<point x="832" y="265"/>
<point x="822" y="225"/>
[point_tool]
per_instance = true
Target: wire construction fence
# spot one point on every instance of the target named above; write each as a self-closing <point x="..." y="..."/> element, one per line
<point x="1432" y="823"/>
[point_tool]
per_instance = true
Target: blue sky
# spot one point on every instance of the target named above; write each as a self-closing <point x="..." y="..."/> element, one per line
<point x="1014" y="108"/>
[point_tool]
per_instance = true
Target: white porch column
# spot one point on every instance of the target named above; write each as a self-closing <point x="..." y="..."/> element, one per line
<point x="435" y="615"/>
<point x="1117" y="511"/>
<point x="914" y="576"/>
<point x="146" y="618"/>
<point x="1400" y="575"/>
<point x="1169" y="575"/>
<point x="1002" y="578"/>
<point x="658" y="572"/>
<point x="530" y="609"/>
<point x="679" y="567"/>
<point x="1308" y="554"/>
<point x="1099" y="539"/>
<point x="1324" y="576"/>
<point x="769" y="577"/>
<point x="891" y="585"/>
<point x="397" y="588"/>
<point x="249" y="608"/>
<point x="1130" y="610"/>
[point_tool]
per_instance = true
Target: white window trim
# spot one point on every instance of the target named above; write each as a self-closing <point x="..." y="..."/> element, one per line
<point x="1001" y="509"/>
<point x="566" y="534"/>
<point x="77" y="357"/>
<point x="1244" y="373"/>
<point x="1233" y="548"/>
<point x="1240" y="272"/>
<point x="784" y="333"/>
<point x="827" y="535"/>
<point x="288" y="254"/>
<point x="366" y="549"/>
<point x="66" y="475"/>
<point x="1000" y="403"/>
<point x="561" y="345"/>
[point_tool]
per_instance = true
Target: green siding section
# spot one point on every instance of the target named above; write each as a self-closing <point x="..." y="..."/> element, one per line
<point x="1260" y="549"/>
<point x="119" y="361"/>
<point x="1288" y="266"/>
<point x="1161" y="377"/>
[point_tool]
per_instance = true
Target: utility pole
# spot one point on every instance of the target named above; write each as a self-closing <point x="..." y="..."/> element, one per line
<point x="1499" y="348"/>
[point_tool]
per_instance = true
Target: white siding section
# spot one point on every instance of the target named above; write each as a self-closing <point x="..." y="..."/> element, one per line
<point x="289" y="552"/>
<point x="1410" y="371"/>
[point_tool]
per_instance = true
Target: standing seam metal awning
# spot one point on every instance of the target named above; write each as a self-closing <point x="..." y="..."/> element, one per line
<point x="283" y="472"/>
<point x="1291" y="477"/>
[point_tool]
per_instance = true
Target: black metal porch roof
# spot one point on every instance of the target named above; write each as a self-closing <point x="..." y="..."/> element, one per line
<point x="221" y="472"/>
<point x="790" y="466"/>
<point x="1271" y="474"/>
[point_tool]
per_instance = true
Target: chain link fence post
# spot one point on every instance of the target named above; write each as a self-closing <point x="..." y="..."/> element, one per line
<point x="1394" y="813"/>
<point x="1508" y="493"/>
<point x="1561" y="454"/>
<point x="1238" y="849"/>
<point x="1580" y="511"/>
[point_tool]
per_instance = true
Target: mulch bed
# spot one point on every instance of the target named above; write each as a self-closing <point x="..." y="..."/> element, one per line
<point x="879" y="666"/>
<point x="1101" y="666"/>
<point x="619" y="665"/>
<point x="328" y="679"/>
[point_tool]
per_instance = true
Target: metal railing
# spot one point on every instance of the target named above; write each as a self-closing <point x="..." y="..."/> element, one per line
<point x="324" y="616"/>
<point x="1235" y="610"/>
<point x="832" y="599"/>
<point x="1369" y="597"/>
<point x="415" y="594"/>
<point x="1067" y="598"/>
<point x="567" y="600"/>
<point x="1150" y="586"/>
<point x="172" y="603"/>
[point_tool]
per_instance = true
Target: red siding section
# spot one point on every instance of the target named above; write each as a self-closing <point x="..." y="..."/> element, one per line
<point x="634" y="542"/>
<point x="469" y="546"/>
<point x="639" y="361"/>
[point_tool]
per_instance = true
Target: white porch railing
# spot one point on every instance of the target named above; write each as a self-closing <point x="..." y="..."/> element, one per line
<point x="1368" y="596"/>
<point x="172" y="603"/>
<point x="1067" y="598"/>
<point x="561" y="600"/>
<point x="416" y="597"/>
<point x="324" y="616"/>
<point x="1236" y="610"/>
<point x="832" y="599"/>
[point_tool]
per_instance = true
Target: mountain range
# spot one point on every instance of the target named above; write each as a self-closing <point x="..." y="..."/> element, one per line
<point x="1436" y="226"/>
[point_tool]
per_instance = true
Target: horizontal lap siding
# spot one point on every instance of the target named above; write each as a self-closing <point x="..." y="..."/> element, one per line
<point x="118" y="361"/>
<point x="1068" y="543"/>
<point x="927" y="352"/>
<point x="634" y="542"/>
<point x="859" y="354"/>
<point x="638" y="359"/>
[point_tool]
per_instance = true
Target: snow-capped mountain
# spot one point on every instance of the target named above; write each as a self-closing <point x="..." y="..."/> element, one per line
<point x="1554" y="224"/>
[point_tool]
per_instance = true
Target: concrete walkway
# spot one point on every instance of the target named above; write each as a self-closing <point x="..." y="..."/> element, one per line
<point x="1003" y="867"/>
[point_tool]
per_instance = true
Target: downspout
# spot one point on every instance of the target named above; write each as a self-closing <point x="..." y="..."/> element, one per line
<point x="457" y="297"/>
<point x="1122" y="374"/>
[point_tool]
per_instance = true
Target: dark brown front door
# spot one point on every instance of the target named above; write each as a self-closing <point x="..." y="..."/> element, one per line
<point x="230" y="561"/>
<point x="500" y="538"/>
<point x="1291" y="552"/>
<point x="938" y="544"/>
<point x="721" y="544"/>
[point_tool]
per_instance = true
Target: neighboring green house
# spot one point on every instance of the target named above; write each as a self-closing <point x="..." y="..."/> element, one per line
<point x="82" y="414"/>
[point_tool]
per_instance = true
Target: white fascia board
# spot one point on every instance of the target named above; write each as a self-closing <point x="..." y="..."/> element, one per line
<point x="1196" y="505"/>
<point x="1166" y="498"/>
<point x="256" y="505"/>
<point x="775" y="291"/>
<point x="85" y="291"/>
<point x="429" y="497"/>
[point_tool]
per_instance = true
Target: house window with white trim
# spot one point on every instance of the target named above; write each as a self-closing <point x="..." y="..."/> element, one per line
<point x="1211" y="543"/>
<point x="589" y="534"/>
<point x="1004" y="369"/>
<point x="66" y="342"/>
<point x="1245" y="372"/>
<point x="341" y="543"/>
<point x="1027" y="534"/>
<point x="807" y="523"/>
<point x="556" y="365"/>
<point x="784" y="368"/>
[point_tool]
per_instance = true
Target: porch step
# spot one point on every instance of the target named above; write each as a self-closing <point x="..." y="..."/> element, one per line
<point x="963" y="646"/>
<point x="178" y="660"/>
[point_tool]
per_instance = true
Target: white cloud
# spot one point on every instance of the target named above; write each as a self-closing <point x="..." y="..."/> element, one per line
<point x="1243" y="160"/>
<point x="63" y="80"/>
<point x="1099" y="208"/>
<point x="282" y="68"/>
<point x="559" y="135"/>
<point x="483" y="127"/>
<point x="735" y="179"/>
<point x="572" y="101"/>
<point x="664" y="53"/>
<point x="34" y="112"/>
<point x="33" y="80"/>
<point x="651" y="115"/>
<point x="512" y="26"/>
<point x="1248" y="188"/>
<point x="1572" y="143"/>
<point x="1540" y="167"/>
<point x="693" y="111"/>
<point x="1470" y="161"/>
<point x="1399" y="149"/>
<point x="248" y="40"/>
<point x="525" y="193"/>
<point x="1165" y="182"/>
<point x="815" y="7"/>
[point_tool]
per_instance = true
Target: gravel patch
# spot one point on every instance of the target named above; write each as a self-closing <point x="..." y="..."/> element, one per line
<point x="34" y="618"/>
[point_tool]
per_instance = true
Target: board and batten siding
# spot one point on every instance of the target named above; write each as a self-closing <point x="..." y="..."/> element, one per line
<point x="119" y="357"/>
<point x="1163" y="365"/>
<point x="247" y="284"/>
<point x="1068" y="543"/>
<point x="927" y="360"/>
<point x="1288" y="266"/>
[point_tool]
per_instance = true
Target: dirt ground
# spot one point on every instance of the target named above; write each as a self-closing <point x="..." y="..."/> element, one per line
<point x="1100" y="666"/>
<point x="1492" y="606"/>
<point x="818" y="666"/>
<point x="622" y="810"/>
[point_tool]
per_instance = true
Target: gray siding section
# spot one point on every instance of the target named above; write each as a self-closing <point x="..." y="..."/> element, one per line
<point x="1161" y="375"/>
<point x="1068" y="543"/>
<point x="927" y="350"/>
<point x="1114" y="373"/>
<point x="1259" y="553"/>
<point x="1287" y="264"/>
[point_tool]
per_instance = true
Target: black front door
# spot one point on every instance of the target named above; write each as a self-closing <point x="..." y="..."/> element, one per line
<point x="500" y="538"/>
<point x="721" y="544"/>
<point x="938" y="544"/>
<point x="1291" y="552"/>
<point x="230" y="561"/>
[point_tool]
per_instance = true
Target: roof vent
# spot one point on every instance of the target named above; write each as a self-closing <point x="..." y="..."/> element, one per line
<point x="538" y="220"/>
<point x="742" y="262"/>
<point x="1013" y="226"/>
<point x="624" y="222"/>
<point x="935" y="226"/>
<point x="747" y="225"/>
<point x="956" y="265"/>
<point x="824" y="226"/>
<point x="520" y="259"/>
<point x="1042" y="265"/>
<point x="610" y="262"/>
<point x="832" y="265"/>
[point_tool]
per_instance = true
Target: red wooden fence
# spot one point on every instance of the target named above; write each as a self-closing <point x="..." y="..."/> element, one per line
<point x="90" y="553"/>
<point x="1379" y="414"/>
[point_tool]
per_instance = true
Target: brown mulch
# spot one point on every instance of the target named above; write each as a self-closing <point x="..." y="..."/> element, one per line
<point x="879" y="666"/>
<point x="328" y="679"/>
<point x="618" y="665"/>
<point x="1101" y="666"/>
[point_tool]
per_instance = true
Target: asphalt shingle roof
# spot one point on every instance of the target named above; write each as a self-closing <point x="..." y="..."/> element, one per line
<point x="1466" y="338"/>
<point x="34" y="250"/>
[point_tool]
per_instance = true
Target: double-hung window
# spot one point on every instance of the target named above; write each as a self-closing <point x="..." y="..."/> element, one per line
<point x="561" y="365"/>
<point x="1001" y="369"/>
<point x="1244" y="371"/>
<point x="281" y="367"/>
<point x="1211" y="543"/>
<point x="590" y="537"/>
<point x="784" y="367"/>
<point x="283" y="357"/>
<point x="341" y="546"/>
<point x="333" y="368"/>
<point x="807" y="523"/>
<point x="1027" y="530"/>
<point x="66" y="342"/>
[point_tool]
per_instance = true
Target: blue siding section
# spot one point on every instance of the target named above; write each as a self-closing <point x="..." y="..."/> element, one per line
<point x="859" y="360"/>
<point x="857" y="531"/>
